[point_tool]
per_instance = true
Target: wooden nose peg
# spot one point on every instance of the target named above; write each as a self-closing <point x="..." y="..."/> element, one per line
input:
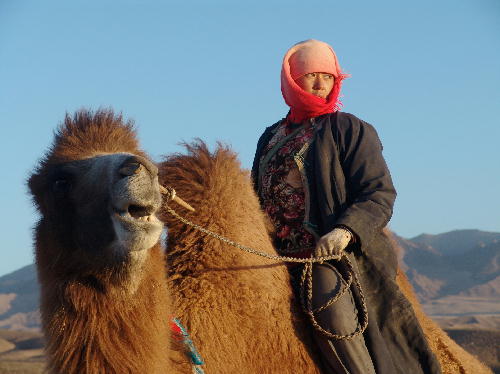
<point x="173" y="196"/>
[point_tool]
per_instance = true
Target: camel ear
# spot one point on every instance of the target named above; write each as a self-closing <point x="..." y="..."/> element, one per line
<point x="36" y="188"/>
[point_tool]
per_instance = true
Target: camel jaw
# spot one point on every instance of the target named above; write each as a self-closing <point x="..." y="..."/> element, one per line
<point x="135" y="233"/>
<point x="144" y="220"/>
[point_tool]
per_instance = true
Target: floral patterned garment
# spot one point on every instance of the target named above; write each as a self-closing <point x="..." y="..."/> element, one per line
<point x="282" y="193"/>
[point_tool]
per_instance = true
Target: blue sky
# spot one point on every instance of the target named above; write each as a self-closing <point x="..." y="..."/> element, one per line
<point x="426" y="74"/>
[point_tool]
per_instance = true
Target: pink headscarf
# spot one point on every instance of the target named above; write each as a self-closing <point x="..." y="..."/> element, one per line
<point x="310" y="56"/>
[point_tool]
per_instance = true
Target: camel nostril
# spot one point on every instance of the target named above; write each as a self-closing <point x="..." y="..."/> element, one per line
<point x="130" y="168"/>
<point x="136" y="164"/>
<point x="138" y="211"/>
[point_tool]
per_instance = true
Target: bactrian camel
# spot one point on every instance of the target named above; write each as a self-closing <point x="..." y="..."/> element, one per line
<point x="105" y="301"/>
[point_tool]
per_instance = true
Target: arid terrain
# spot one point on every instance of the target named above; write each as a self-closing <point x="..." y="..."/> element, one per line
<point x="456" y="276"/>
<point x="21" y="352"/>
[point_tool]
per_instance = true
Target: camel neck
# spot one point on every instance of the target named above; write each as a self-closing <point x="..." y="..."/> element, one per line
<point x="91" y="332"/>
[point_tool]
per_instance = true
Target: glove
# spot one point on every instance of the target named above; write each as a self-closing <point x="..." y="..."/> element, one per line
<point x="333" y="243"/>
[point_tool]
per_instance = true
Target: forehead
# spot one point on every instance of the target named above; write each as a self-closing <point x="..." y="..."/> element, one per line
<point x="97" y="161"/>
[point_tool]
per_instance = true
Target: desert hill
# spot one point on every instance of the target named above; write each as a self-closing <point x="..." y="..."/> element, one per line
<point x="21" y="352"/>
<point x="19" y="293"/>
<point x="458" y="278"/>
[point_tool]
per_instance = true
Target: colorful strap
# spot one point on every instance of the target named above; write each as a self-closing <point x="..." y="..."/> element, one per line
<point x="181" y="333"/>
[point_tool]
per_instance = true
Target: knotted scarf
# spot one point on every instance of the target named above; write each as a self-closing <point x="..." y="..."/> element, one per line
<point x="310" y="56"/>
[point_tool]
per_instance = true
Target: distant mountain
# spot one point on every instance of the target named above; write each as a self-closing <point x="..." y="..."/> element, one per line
<point x="457" y="241"/>
<point x="19" y="294"/>
<point x="454" y="272"/>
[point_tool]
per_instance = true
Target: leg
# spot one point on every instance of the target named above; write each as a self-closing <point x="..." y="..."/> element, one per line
<point x="339" y="356"/>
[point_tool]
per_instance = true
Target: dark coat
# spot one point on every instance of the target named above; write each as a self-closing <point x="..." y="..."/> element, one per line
<point x="349" y="184"/>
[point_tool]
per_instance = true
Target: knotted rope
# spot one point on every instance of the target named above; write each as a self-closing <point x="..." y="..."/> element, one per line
<point x="306" y="277"/>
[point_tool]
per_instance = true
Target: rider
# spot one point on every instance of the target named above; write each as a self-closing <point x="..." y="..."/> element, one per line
<point x="321" y="177"/>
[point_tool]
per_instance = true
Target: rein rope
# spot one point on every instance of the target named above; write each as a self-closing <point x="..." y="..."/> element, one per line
<point x="306" y="277"/>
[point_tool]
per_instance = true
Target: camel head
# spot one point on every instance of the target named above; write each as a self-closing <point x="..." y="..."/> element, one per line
<point x="97" y="194"/>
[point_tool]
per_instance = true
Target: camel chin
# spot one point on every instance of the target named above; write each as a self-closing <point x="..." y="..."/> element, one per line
<point x="134" y="237"/>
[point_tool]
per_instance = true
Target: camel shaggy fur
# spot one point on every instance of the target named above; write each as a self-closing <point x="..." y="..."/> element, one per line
<point x="239" y="307"/>
<point x="105" y="297"/>
<point x="104" y="300"/>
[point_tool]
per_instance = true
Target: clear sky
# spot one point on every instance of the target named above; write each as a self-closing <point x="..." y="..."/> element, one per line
<point x="425" y="73"/>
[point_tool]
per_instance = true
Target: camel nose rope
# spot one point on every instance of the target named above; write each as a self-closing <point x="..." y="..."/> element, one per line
<point x="172" y="195"/>
<point x="306" y="277"/>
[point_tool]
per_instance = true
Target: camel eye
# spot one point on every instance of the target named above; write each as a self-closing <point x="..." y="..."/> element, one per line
<point x="62" y="185"/>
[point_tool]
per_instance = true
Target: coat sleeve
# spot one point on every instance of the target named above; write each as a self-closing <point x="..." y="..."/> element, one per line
<point x="254" y="174"/>
<point x="370" y="191"/>
<point x="262" y="142"/>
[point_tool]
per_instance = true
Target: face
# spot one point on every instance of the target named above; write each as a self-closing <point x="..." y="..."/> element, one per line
<point x="318" y="84"/>
<point x="101" y="209"/>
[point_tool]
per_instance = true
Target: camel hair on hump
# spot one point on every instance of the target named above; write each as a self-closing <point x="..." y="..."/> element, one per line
<point x="105" y="299"/>
<point x="239" y="307"/>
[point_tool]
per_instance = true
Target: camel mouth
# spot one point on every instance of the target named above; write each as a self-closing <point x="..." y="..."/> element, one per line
<point x="137" y="214"/>
<point x="136" y="228"/>
<point x="142" y="213"/>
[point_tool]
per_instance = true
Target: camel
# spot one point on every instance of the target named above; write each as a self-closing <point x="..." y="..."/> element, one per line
<point x="107" y="294"/>
<point x="104" y="301"/>
<point x="239" y="307"/>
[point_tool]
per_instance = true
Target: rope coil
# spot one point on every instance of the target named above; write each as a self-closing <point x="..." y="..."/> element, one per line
<point x="306" y="277"/>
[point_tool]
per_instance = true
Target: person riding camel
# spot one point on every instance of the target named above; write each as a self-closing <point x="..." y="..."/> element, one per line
<point x="322" y="179"/>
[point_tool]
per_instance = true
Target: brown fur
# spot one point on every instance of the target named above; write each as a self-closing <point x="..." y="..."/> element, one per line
<point x="87" y="133"/>
<point x="90" y="323"/>
<point x="237" y="306"/>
